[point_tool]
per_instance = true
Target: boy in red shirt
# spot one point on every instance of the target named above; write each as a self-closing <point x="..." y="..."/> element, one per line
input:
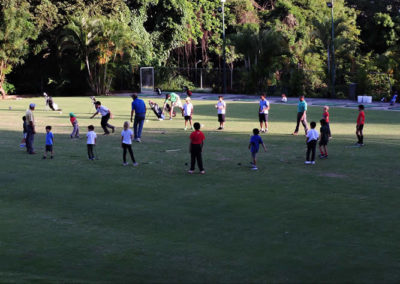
<point x="360" y="125"/>
<point x="195" y="148"/>
<point x="325" y="116"/>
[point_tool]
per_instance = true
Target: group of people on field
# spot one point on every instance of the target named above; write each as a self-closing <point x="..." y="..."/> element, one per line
<point x="197" y="137"/>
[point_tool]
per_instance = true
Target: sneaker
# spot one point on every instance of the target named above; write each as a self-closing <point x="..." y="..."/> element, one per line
<point x="261" y="130"/>
<point x="266" y="130"/>
<point x="190" y="171"/>
<point x="254" y="168"/>
<point x="138" y="140"/>
<point x="124" y="164"/>
<point x="170" y="118"/>
<point x="135" y="164"/>
<point x="295" y="133"/>
<point x="219" y="128"/>
<point x="185" y="128"/>
<point x="312" y="162"/>
<point x="307" y="162"/>
<point x="106" y="133"/>
<point x="203" y="172"/>
<point x="22" y="145"/>
<point x="361" y="144"/>
<point x="321" y="156"/>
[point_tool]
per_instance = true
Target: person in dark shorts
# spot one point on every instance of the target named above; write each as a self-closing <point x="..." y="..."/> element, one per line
<point x="221" y="107"/>
<point x="360" y="125"/>
<point x="324" y="139"/>
<point x="49" y="143"/>
<point x="187" y="113"/>
<point x="263" y="113"/>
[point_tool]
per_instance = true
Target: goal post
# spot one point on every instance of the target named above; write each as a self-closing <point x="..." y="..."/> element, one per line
<point x="146" y="80"/>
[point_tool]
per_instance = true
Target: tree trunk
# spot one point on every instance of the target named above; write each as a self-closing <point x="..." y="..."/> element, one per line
<point x="2" y="79"/>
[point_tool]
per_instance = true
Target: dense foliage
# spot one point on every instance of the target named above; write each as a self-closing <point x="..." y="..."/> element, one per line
<point x="78" y="46"/>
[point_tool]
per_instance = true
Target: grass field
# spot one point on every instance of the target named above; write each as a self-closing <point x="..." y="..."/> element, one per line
<point x="74" y="220"/>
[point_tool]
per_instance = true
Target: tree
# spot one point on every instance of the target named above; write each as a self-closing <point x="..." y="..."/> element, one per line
<point x="16" y="30"/>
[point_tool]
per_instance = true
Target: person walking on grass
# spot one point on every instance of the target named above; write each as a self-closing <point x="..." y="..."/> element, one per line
<point x="323" y="142"/>
<point x="139" y="109"/>
<point x="75" y="125"/>
<point x="30" y="135"/>
<point x="105" y="117"/>
<point x="360" y="125"/>
<point x="301" y="115"/>
<point x="254" y="146"/>
<point x="91" y="142"/>
<point x="263" y="113"/>
<point x="221" y="107"/>
<point x="187" y="113"/>
<point x="126" y="143"/>
<point x="311" y="140"/>
<point x="196" y="148"/>
<point x="49" y="143"/>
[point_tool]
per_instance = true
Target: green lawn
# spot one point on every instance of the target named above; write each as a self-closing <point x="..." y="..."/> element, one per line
<point x="74" y="220"/>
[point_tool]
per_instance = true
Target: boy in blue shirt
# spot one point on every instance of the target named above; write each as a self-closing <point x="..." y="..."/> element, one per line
<point x="254" y="146"/>
<point x="301" y="115"/>
<point x="49" y="142"/>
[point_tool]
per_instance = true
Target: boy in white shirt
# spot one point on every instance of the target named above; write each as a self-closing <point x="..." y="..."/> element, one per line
<point x="126" y="143"/>
<point x="221" y="107"/>
<point x="91" y="141"/>
<point x="311" y="140"/>
<point x="187" y="112"/>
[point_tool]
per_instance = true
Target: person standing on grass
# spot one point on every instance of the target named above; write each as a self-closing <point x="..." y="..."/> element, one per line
<point x="311" y="139"/>
<point x="30" y="135"/>
<point x="263" y="113"/>
<point x="254" y="146"/>
<point x="126" y="143"/>
<point x="175" y="101"/>
<point x="325" y="116"/>
<point x="49" y="143"/>
<point x="360" y="125"/>
<point x="196" y="148"/>
<point x="139" y="109"/>
<point x="75" y="125"/>
<point x="105" y="117"/>
<point x="25" y="131"/>
<point x="91" y="142"/>
<point x="187" y="112"/>
<point x="221" y="107"/>
<point x="323" y="142"/>
<point x="301" y="115"/>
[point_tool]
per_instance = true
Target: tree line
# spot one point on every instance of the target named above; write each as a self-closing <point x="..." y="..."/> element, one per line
<point x="80" y="46"/>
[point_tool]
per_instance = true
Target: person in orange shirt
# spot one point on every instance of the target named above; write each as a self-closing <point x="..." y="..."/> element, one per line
<point x="195" y="148"/>
<point x="360" y="125"/>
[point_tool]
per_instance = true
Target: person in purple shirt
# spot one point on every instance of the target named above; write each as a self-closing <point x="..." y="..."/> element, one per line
<point x="139" y="109"/>
<point x="254" y="146"/>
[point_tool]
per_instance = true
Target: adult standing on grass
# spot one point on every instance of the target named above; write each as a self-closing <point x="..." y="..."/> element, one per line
<point x="105" y="117"/>
<point x="301" y="115"/>
<point x="175" y="100"/>
<point x="263" y="113"/>
<point x="139" y="109"/>
<point x="30" y="120"/>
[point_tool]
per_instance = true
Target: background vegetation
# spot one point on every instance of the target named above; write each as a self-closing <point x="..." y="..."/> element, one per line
<point x="79" y="46"/>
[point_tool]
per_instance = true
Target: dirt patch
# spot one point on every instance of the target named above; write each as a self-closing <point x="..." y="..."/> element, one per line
<point x="333" y="175"/>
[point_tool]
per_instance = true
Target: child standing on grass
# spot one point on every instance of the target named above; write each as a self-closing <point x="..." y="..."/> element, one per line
<point x="323" y="142"/>
<point x="325" y="116"/>
<point x="91" y="141"/>
<point x="24" y="132"/>
<point x="195" y="148"/>
<point x="49" y="142"/>
<point x="187" y="112"/>
<point x="221" y="107"/>
<point x="254" y="146"/>
<point x="126" y="143"/>
<point x="74" y="122"/>
<point x="311" y="138"/>
<point x="360" y="125"/>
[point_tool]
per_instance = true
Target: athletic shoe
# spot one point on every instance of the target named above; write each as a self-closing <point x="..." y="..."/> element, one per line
<point x="190" y="171"/>
<point x="266" y="130"/>
<point x="170" y="118"/>
<point x="135" y="164"/>
<point x="361" y="144"/>
<point x="203" y="172"/>
<point x="185" y="129"/>
<point x="138" y="140"/>
<point x="124" y="164"/>
<point x="321" y="156"/>
<point x="219" y="128"/>
<point x="254" y="168"/>
<point x="295" y="133"/>
<point x="22" y="145"/>
<point x="106" y="133"/>
<point x="312" y="162"/>
<point x="307" y="162"/>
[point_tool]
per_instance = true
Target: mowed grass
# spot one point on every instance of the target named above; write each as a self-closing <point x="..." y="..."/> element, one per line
<point x="74" y="220"/>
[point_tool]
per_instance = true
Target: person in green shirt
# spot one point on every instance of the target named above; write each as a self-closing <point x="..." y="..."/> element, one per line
<point x="175" y="100"/>
<point x="301" y="115"/>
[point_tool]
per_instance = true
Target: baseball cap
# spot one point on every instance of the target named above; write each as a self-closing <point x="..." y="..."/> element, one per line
<point x="32" y="105"/>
